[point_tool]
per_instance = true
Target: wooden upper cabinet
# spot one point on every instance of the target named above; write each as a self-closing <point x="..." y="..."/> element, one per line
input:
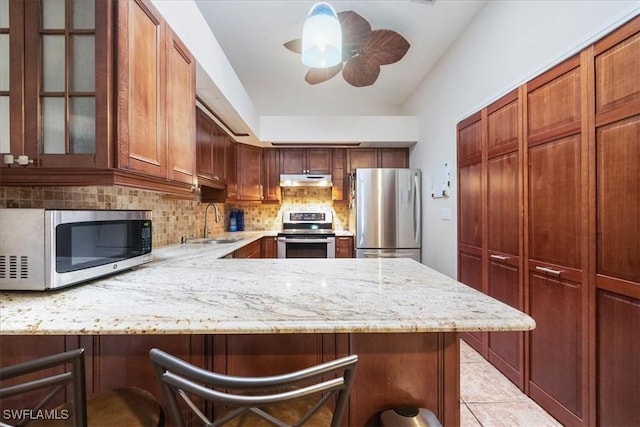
<point x="231" y="168"/>
<point x="271" y="179"/>
<point x="140" y="139"/>
<point x="249" y="173"/>
<point x="362" y="158"/>
<point x="470" y="139"/>
<point x="617" y="73"/>
<point x="554" y="102"/>
<point x="66" y="100"/>
<point x="340" y="190"/>
<point x="503" y="130"/>
<point x="205" y="131"/>
<point x="180" y="86"/>
<point x="306" y="161"/>
<point x="211" y="146"/>
<point x="393" y="157"/>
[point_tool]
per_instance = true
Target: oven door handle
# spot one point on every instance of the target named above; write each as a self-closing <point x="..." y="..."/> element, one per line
<point x="314" y="240"/>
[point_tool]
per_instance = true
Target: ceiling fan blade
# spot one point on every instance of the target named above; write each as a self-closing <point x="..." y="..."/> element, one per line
<point x="360" y="71"/>
<point x="385" y="47"/>
<point x="319" y="75"/>
<point x="355" y="30"/>
<point x="294" y="45"/>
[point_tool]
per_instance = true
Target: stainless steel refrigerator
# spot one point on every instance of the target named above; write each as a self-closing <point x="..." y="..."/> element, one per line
<point x="385" y="213"/>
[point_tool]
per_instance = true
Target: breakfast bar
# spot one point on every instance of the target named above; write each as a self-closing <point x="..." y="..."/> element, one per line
<point x="263" y="316"/>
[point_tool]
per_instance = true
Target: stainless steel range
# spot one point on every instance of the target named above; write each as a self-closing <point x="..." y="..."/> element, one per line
<point x="307" y="235"/>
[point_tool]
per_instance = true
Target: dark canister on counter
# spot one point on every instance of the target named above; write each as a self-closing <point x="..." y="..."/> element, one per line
<point x="233" y="220"/>
<point x="240" y="219"/>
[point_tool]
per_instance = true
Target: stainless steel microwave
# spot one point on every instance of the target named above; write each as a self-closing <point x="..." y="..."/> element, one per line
<point x="43" y="249"/>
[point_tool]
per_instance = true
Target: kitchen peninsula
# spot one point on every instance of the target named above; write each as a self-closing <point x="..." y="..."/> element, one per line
<point x="256" y="317"/>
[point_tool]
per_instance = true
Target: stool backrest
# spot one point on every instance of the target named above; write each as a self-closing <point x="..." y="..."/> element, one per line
<point x="252" y="394"/>
<point x="54" y="383"/>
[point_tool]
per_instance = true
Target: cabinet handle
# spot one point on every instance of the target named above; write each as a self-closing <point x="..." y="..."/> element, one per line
<point x="549" y="270"/>
<point x="499" y="257"/>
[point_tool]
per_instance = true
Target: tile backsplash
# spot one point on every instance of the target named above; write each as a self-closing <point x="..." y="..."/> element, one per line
<point x="174" y="218"/>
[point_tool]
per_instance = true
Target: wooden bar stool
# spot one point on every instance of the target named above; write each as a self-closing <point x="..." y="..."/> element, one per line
<point x="127" y="406"/>
<point x="291" y="399"/>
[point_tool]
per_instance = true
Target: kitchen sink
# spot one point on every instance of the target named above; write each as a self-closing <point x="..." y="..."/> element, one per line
<point x="214" y="241"/>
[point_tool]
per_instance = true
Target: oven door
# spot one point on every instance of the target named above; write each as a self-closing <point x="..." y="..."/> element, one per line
<point x="306" y="247"/>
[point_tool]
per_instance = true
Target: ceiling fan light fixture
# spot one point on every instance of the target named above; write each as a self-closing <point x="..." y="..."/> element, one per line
<point x="321" y="37"/>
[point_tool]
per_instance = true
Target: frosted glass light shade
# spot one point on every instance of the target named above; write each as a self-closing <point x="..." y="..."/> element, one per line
<point x="321" y="37"/>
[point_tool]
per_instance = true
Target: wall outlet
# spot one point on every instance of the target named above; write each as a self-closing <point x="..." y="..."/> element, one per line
<point x="446" y="214"/>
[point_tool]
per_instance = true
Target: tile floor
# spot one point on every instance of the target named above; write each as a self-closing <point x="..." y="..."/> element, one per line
<point x="488" y="399"/>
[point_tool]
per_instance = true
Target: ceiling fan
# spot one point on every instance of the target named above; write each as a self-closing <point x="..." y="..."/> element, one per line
<point x="363" y="52"/>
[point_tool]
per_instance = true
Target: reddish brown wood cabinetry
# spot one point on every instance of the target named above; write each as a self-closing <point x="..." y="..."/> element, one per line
<point x="344" y="247"/>
<point x="377" y="158"/>
<point x="470" y="213"/>
<point x="140" y="112"/>
<point x="576" y="176"/>
<point x="269" y="247"/>
<point x="180" y="92"/>
<point x="271" y="179"/>
<point x="616" y="148"/>
<point x="252" y="250"/>
<point x="306" y="161"/>
<point x="504" y="228"/>
<point x="556" y="220"/>
<point x="249" y="173"/>
<point x="211" y="144"/>
<point x="118" y="111"/>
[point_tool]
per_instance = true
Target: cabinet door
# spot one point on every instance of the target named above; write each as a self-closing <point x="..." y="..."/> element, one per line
<point x="179" y="78"/>
<point x="617" y="150"/>
<point x="23" y="348"/>
<point x="12" y="75"/>
<point x="231" y="168"/>
<point x="557" y="233"/>
<point x="393" y="157"/>
<point x="269" y="247"/>
<point x="293" y="161"/>
<point x="249" y="167"/>
<point x="362" y="158"/>
<point x="344" y="247"/>
<point x="318" y="160"/>
<point x="66" y="99"/>
<point x="340" y="189"/>
<point x="204" y="144"/>
<point x="271" y="160"/>
<point x="470" y="231"/>
<point x="140" y="138"/>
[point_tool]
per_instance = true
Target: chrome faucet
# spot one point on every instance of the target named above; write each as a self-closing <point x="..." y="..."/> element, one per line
<point x="206" y="217"/>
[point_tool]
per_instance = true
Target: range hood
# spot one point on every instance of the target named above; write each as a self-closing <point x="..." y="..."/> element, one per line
<point x="307" y="180"/>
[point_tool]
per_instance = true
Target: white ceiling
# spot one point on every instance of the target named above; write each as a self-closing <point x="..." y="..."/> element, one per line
<point x="251" y="34"/>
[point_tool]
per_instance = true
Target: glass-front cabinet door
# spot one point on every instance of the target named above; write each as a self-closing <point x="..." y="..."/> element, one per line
<point x="4" y="77"/>
<point x="63" y="93"/>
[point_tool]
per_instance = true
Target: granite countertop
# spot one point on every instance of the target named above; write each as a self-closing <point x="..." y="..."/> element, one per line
<point x="187" y="289"/>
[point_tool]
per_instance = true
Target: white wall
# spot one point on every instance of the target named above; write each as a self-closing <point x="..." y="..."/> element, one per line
<point x="508" y="43"/>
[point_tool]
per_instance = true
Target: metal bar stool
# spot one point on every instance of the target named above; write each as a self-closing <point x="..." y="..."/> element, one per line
<point x="291" y="399"/>
<point x="127" y="406"/>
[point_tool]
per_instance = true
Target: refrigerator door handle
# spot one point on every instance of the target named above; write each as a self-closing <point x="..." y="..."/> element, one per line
<point x="416" y="209"/>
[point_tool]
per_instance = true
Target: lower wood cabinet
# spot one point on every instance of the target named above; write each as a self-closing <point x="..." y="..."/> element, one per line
<point x="269" y="247"/>
<point x="252" y="250"/>
<point x="420" y="369"/>
<point x="344" y="247"/>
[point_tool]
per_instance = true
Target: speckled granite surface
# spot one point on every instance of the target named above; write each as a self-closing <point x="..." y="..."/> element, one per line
<point x="188" y="290"/>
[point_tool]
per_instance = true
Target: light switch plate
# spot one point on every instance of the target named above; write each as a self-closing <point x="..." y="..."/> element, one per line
<point x="446" y="214"/>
